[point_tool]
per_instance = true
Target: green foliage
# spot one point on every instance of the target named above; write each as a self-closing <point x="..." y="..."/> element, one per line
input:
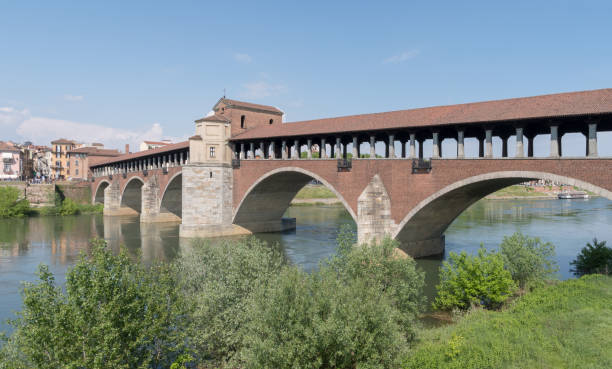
<point x="315" y="192"/>
<point x="529" y="260"/>
<point x="10" y="203"/>
<point x="114" y="314"/>
<point x="357" y="311"/>
<point x="594" y="258"/>
<point x="566" y="325"/>
<point x="478" y="280"/>
<point x="220" y="278"/>
<point x="69" y="207"/>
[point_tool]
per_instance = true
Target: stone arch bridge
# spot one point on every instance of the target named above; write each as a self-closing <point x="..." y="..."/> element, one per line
<point x="229" y="180"/>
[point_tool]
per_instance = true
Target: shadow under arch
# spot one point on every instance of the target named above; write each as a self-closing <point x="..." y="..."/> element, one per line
<point x="98" y="197"/>
<point x="264" y="203"/>
<point x="131" y="196"/>
<point x="426" y="223"/>
<point x="172" y="198"/>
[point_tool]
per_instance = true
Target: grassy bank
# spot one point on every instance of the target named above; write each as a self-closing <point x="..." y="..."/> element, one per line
<point x="567" y="325"/>
<point x="315" y="192"/>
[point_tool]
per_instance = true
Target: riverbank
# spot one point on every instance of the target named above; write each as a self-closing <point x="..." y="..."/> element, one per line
<point x="321" y="195"/>
<point x="566" y="325"/>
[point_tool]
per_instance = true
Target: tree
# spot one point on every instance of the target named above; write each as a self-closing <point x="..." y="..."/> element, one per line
<point x="114" y="314"/>
<point x="220" y="278"/>
<point x="595" y="258"/>
<point x="529" y="260"/>
<point x="478" y="280"/>
<point x="12" y="204"/>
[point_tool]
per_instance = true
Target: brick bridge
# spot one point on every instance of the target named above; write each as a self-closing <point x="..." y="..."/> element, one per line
<point x="240" y="171"/>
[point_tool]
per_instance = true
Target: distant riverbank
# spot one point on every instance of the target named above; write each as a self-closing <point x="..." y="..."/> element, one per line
<point x="321" y="195"/>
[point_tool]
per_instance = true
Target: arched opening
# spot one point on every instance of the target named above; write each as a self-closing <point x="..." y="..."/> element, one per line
<point x="99" y="195"/>
<point x="421" y="232"/>
<point x="264" y="204"/>
<point x="242" y="121"/>
<point x="132" y="195"/>
<point x="172" y="198"/>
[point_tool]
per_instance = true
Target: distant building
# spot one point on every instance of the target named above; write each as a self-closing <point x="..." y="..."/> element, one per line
<point x="11" y="161"/>
<point x="60" y="168"/>
<point x="149" y="145"/>
<point x="79" y="159"/>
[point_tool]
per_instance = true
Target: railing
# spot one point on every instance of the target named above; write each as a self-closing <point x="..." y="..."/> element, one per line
<point x="420" y="166"/>
<point x="344" y="165"/>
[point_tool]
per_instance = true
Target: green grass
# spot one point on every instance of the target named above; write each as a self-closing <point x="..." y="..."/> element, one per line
<point x="517" y="191"/>
<point x="315" y="192"/>
<point x="568" y="325"/>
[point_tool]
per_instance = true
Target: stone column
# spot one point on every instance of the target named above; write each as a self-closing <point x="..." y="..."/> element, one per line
<point x="421" y="148"/>
<point x="592" y="140"/>
<point x="460" y="144"/>
<point x="504" y="146"/>
<point x="262" y="148"/>
<point x="435" y="146"/>
<point x="252" y="151"/>
<point x="372" y="147"/>
<point x="112" y="199"/>
<point x="309" y="144"/>
<point x="355" y="148"/>
<point x="322" y="153"/>
<point x="272" y="151"/>
<point x="338" y="150"/>
<point x="294" y="153"/>
<point x="530" y="146"/>
<point x="284" y="149"/>
<point x="242" y="150"/>
<point x="412" y="146"/>
<point x="391" y="146"/>
<point x="488" y="143"/>
<point x="554" y="141"/>
<point x="520" y="152"/>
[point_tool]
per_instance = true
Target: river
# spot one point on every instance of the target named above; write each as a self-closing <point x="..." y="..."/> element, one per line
<point x="57" y="241"/>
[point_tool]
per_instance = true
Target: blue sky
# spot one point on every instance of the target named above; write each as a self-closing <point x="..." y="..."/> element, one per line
<point x="122" y="71"/>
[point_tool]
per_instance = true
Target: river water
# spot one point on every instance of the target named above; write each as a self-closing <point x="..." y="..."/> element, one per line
<point x="57" y="241"/>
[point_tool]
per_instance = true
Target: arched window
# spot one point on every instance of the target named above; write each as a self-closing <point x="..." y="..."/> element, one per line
<point x="271" y="121"/>
<point x="242" y="119"/>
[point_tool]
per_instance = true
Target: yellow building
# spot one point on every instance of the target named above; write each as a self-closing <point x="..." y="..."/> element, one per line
<point x="60" y="168"/>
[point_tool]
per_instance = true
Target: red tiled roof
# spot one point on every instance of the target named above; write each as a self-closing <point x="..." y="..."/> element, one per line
<point x="213" y="118"/>
<point x="544" y="106"/>
<point x="62" y="141"/>
<point x="94" y="151"/>
<point x="8" y="146"/>
<point x="142" y="154"/>
<point x="158" y="142"/>
<point x="244" y="104"/>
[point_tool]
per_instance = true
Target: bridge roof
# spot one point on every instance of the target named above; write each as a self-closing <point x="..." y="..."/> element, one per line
<point x="143" y="154"/>
<point x="592" y="102"/>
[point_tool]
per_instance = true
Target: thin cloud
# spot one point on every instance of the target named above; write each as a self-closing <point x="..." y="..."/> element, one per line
<point x="400" y="58"/>
<point x="243" y="58"/>
<point x="73" y="98"/>
<point x="261" y="89"/>
<point x="11" y="116"/>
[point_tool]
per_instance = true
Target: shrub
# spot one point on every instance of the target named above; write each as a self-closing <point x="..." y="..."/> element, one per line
<point x="69" y="207"/>
<point x="220" y="278"/>
<point x="114" y="314"/>
<point x="594" y="258"/>
<point x="529" y="260"/>
<point x="321" y="321"/>
<point x="468" y="280"/>
<point x="11" y="205"/>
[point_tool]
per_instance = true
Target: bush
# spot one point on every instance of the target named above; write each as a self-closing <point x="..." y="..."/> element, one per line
<point x="220" y="278"/>
<point x="479" y="280"/>
<point x="114" y="314"/>
<point x="69" y="207"/>
<point x="10" y="203"/>
<point x="529" y="260"/>
<point x="321" y="321"/>
<point x="594" y="258"/>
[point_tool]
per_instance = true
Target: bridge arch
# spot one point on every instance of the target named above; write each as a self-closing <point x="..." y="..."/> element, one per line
<point x="427" y="222"/>
<point x="98" y="195"/>
<point x="264" y="203"/>
<point x="131" y="196"/>
<point x="172" y="197"/>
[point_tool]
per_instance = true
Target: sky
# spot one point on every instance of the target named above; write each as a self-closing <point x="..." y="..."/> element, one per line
<point x="120" y="72"/>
